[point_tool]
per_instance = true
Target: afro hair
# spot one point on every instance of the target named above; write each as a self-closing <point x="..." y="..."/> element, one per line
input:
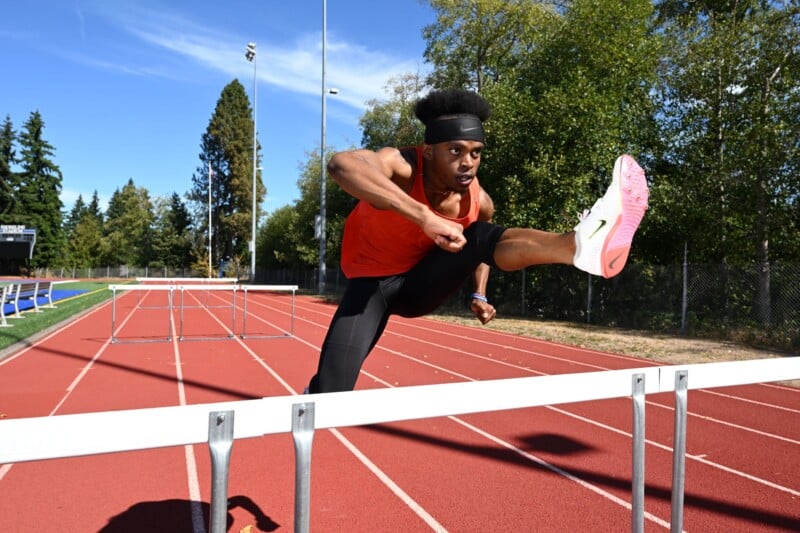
<point x="451" y="102"/>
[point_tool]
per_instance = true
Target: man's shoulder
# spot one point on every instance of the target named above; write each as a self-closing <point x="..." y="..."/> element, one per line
<point x="411" y="156"/>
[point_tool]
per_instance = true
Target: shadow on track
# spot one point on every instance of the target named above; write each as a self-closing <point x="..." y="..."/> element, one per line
<point x="175" y="516"/>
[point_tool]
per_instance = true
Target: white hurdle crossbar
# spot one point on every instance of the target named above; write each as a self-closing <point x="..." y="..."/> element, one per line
<point x="211" y="282"/>
<point x="33" y="439"/>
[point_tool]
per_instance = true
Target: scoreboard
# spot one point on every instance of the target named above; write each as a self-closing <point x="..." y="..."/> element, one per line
<point x="16" y="242"/>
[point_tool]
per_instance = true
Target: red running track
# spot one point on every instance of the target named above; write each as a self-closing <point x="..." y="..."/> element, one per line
<point x="560" y="468"/>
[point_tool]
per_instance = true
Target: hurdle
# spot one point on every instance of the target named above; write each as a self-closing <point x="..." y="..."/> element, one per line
<point x="205" y="289"/>
<point x="183" y="304"/>
<point x="268" y="288"/>
<point x="73" y="435"/>
<point x="211" y="282"/>
<point x="130" y="287"/>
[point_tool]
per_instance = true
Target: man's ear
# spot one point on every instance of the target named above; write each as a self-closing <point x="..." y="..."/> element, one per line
<point x="427" y="151"/>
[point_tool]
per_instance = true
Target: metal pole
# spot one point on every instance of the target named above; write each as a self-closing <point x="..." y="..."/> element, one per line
<point x="684" y="303"/>
<point x="255" y="171"/>
<point x="679" y="450"/>
<point x="322" y="243"/>
<point x="210" y="177"/>
<point x="220" y="443"/>
<point x="303" y="436"/>
<point x="637" y="470"/>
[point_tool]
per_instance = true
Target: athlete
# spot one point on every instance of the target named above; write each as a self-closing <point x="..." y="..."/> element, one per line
<point x="423" y="226"/>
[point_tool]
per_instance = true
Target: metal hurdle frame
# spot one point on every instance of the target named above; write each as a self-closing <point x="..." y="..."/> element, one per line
<point x="212" y="282"/>
<point x="130" y="287"/>
<point x="32" y="439"/>
<point x="268" y="288"/>
<point x="205" y="289"/>
<point x="184" y="288"/>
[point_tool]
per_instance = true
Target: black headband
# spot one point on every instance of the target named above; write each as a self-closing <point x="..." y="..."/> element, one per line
<point x="455" y="128"/>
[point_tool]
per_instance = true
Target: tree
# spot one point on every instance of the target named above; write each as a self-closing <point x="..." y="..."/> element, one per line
<point x="391" y="122"/>
<point x="338" y="206"/>
<point x="278" y="238"/>
<point x="85" y="244"/>
<point x="74" y="217"/>
<point x="227" y="149"/>
<point x="730" y="91"/>
<point x="94" y="207"/>
<point x="127" y="230"/>
<point x="38" y="194"/>
<point x="172" y="240"/>
<point x="475" y="41"/>
<point x="8" y="180"/>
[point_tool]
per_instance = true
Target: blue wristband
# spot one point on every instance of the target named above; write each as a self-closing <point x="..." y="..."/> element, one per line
<point x="480" y="297"/>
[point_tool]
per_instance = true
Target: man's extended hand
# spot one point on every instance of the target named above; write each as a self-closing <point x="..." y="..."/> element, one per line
<point x="483" y="310"/>
<point x="447" y="235"/>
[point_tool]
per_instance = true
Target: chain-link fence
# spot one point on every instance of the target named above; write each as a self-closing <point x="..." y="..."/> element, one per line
<point x="739" y="303"/>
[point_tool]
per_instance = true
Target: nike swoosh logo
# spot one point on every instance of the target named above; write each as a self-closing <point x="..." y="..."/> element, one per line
<point x="602" y="223"/>
<point x="463" y="130"/>
<point x="611" y="263"/>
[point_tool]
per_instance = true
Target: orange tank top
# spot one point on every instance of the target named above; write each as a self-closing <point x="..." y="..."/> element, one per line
<point x="383" y="243"/>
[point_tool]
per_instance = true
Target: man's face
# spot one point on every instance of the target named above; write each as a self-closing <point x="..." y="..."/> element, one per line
<point x="455" y="163"/>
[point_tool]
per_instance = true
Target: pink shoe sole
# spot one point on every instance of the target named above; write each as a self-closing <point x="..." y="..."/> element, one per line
<point x="633" y="195"/>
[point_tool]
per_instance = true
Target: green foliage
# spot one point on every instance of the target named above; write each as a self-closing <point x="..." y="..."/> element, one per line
<point x="277" y="240"/>
<point x="8" y="180"/>
<point x="37" y="322"/>
<point x="391" y="122"/>
<point x="37" y="187"/>
<point x="85" y="245"/>
<point x="227" y="148"/>
<point x="172" y="239"/>
<point x="129" y="218"/>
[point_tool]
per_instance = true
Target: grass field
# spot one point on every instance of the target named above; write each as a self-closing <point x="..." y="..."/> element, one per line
<point x="35" y="323"/>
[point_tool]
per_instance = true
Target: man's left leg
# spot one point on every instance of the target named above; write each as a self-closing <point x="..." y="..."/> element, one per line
<point x="440" y="274"/>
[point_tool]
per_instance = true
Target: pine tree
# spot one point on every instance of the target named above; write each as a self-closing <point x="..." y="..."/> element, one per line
<point x="227" y="148"/>
<point x="94" y="208"/>
<point x="127" y="229"/>
<point x="39" y="189"/>
<point x="74" y="217"/>
<point x="8" y="180"/>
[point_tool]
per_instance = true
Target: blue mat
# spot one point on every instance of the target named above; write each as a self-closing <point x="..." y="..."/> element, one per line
<point x="8" y="309"/>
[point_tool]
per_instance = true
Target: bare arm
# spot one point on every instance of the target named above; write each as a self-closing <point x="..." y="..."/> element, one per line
<point x="383" y="179"/>
<point x="483" y="310"/>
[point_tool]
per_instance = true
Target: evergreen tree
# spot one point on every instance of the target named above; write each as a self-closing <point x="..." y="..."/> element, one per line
<point x="227" y="149"/>
<point x="171" y="243"/>
<point x="94" y="208"/>
<point x="39" y="189"/>
<point x="85" y="245"/>
<point x="127" y="228"/>
<point x="74" y="217"/>
<point x="8" y="180"/>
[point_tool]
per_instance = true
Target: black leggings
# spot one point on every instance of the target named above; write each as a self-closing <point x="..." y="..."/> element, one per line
<point x="368" y="302"/>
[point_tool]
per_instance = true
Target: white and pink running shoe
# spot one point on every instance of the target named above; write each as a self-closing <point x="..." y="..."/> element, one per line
<point x="604" y="234"/>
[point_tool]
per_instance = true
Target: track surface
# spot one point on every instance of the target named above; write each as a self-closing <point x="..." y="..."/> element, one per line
<point x="561" y="468"/>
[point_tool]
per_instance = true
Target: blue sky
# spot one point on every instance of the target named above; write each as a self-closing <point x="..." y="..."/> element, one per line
<point x="126" y="87"/>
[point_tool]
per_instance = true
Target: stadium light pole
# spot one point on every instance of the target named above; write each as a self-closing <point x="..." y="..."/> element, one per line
<point x="250" y="55"/>
<point x="322" y="187"/>
<point x="210" y="177"/>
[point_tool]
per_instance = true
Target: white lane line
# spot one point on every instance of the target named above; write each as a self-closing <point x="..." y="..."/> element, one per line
<point x="192" y="478"/>
<point x="6" y="468"/>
